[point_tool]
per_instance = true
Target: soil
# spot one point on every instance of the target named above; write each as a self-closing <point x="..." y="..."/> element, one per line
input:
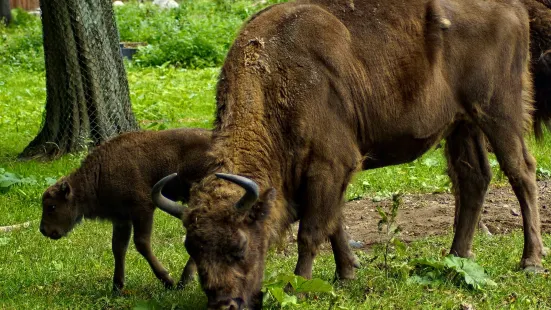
<point x="423" y="215"/>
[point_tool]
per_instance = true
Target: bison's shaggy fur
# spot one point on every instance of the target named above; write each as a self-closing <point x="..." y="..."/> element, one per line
<point x="313" y="90"/>
<point x="540" y="49"/>
<point x="114" y="183"/>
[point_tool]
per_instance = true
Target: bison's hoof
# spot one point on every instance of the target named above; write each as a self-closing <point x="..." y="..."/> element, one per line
<point x="118" y="291"/>
<point x="535" y="269"/>
<point x="356" y="262"/>
<point x="468" y="254"/>
<point x="184" y="282"/>
<point x="169" y="285"/>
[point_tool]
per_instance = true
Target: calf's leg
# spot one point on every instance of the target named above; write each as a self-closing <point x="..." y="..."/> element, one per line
<point x="119" y="245"/>
<point x="471" y="174"/>
<point x="142" y="239"/>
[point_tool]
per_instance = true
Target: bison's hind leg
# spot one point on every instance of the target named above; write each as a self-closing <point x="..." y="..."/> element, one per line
<point x="470" y="174"/>
<point x="519" y="166"/>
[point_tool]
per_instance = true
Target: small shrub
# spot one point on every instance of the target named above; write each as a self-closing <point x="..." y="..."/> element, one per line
<point x="8" y="179"/>
<point x="457" y="270"/>
<point x="21" y="42"/>
<point x="274" y="287"/>
<point x="389" y="228"/>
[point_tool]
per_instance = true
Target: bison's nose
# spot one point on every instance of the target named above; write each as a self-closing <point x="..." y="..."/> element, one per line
<point x="228" y="304"/>
<point x="55" y="235"/>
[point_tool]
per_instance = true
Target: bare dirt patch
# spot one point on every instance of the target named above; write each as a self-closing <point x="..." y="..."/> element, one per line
<point x="423" y="215"/>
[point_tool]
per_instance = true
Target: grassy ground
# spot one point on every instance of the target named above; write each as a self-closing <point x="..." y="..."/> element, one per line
<point x="75" y="272"/>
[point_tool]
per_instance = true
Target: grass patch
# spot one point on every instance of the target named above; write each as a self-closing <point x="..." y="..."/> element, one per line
<point x="197" y="34"/>
<point x="75" y="272"/>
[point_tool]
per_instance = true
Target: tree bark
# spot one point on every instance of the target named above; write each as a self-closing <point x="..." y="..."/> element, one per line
<point x="87" y="92"/>
<point x="5" y="13"/>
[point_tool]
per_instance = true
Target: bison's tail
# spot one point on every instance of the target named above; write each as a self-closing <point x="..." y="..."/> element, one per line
<point x="542" y="85"/>
<point x="171" y="207"/>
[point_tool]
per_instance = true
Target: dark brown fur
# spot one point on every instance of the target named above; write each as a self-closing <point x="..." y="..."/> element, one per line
<point x="114" y="183"/>
<point x="312" y="91"/>
<point x="540" y="49"/>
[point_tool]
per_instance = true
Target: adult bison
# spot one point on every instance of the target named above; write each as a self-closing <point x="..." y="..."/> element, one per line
<point x="312" y="91"/>
<point x="114" y="183"/>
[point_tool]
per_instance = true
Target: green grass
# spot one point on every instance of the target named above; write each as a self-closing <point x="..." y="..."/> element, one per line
<point x="195" y="35"/>
<point x="75" y="272"/>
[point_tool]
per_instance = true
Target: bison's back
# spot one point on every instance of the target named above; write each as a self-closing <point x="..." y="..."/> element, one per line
<point x="127" y="167"/>
<point x="361" y="67"/>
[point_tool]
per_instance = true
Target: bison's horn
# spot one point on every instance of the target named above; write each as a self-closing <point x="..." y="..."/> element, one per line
<point x="251" y="189"/>
<point x="171" y="207"/>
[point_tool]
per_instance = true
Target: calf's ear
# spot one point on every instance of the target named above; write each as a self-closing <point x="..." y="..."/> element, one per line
<point x="65" y="189"/>
<point x="262" y="209"/>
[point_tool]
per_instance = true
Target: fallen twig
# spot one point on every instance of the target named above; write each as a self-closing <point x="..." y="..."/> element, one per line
<point x="15" y="227"/>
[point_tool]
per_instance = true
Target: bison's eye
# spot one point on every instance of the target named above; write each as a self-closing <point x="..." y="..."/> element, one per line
<point x="238" y="254"/>
<point x="51" y="208"/>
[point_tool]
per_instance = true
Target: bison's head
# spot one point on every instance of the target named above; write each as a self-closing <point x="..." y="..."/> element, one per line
<point x="59" y="213"/>
<point x="228" y="240"/>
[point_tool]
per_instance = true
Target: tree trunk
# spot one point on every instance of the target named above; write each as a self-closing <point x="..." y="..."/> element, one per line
<point x="5" y="13"/>
<point x="87" y="98"/>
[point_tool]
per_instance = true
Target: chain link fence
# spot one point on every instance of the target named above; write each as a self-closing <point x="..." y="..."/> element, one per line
<point x="88" y="98"/>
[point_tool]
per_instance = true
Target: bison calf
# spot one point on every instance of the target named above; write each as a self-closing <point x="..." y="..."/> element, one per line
<point x="114" y="183"/>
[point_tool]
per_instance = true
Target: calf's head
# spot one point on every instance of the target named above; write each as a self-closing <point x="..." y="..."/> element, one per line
<point x="228" y="240"/>
<point x="59" y="212"/>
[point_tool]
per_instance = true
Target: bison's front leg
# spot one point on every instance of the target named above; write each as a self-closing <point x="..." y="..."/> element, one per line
<point x="119" y="244"/>
<point x="188" y="273"/>
<point x="321" y="218"/>
<point x="142" y="239"/>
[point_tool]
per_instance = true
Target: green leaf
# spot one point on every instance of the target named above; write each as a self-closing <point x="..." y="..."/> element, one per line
<point x="455" y="269"/>
<point x="282" y="298"/>
<point x="430" y="162"/>
<point x="399" y="246"/>
<point x="50" y="181"/>
<point x="4" y="240"/>
<point x="314" y="286"/>
<point x="382" y="214"/>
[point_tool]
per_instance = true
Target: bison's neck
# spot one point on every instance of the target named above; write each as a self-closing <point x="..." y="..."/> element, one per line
<point x="243" y="139"/>
<point x="84" y="188"/>
<point x="247" y="141"/>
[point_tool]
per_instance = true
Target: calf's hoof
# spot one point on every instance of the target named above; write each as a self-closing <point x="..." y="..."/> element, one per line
<point x="184" y="281"/>
<point x="168" y="283"/>
<point x="118" y="291"/>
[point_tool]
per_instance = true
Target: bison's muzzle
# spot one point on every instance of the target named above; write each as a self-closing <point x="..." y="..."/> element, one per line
<point x="225" y="303"/>
<point x="52" y="234"/>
